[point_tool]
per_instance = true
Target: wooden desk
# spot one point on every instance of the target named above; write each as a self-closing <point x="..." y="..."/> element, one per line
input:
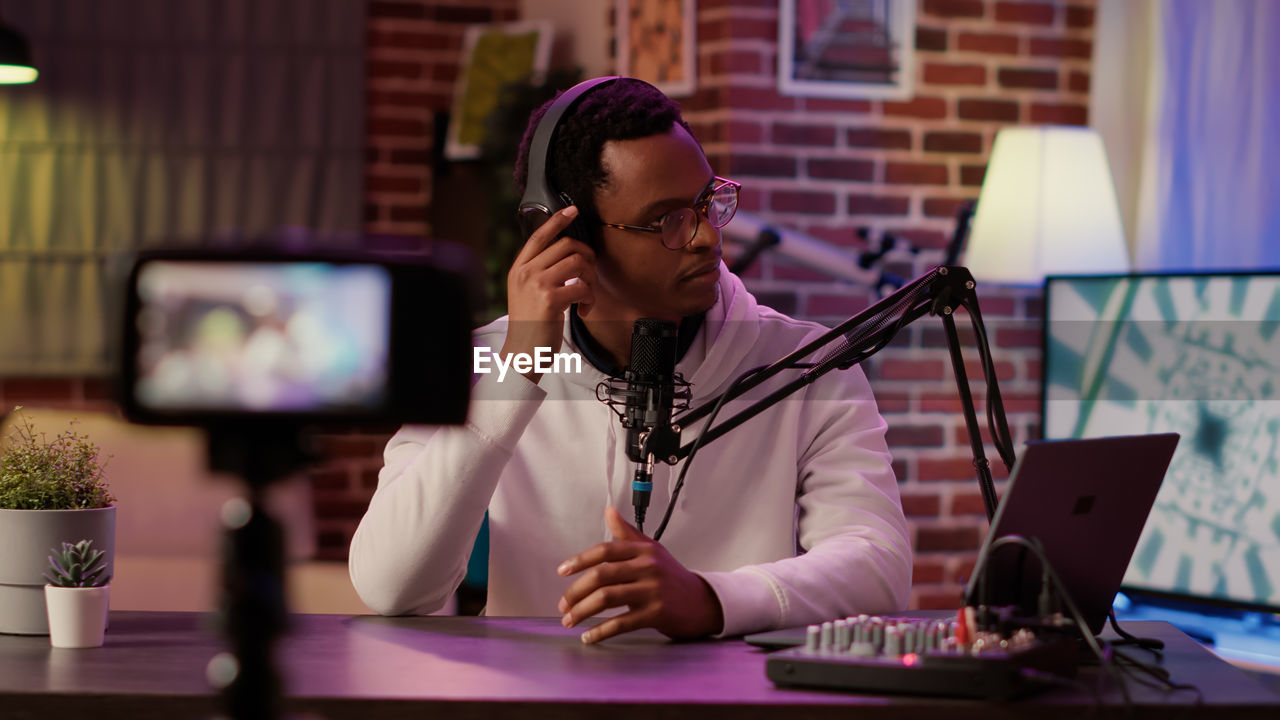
<point x="153" y="666"/>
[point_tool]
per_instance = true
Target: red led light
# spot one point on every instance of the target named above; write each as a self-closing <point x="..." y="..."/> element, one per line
<point x="910" y="659"/>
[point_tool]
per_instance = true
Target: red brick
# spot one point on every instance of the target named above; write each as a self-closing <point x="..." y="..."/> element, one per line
<point x="1079" y="16"/>
<point x="930" y="598"/>
<point x="931" y="39"/>
<point x="998" y="110"/>
<point x="408" y="213"/>
<point x="953" y="142"/>
<point x="808" y="135"/>
<point x="20" y="390"/>
<point x="900" y="471"/>
<point x="396" y="127"/>
<point x="829" y="305"/>
<point x="1026" y="13"/>
<point x="1005" y="370"/>
<point x="904" y="435"/>
<point x="350" y="509"/>
<point x="953" y="468"/>
<point x="921" y="503"/>
<point x="392" y="184"/>
<point x="967" y="504"/>
<point x="397" y="10"/>
<point x="947" y="402"/>
<point x="994" y="306"/>
<point x="954" y="8"/>
<point x="380" y="69"/>
<point x="1078" y="81"/>
<point x="889" y="402"/>
<point x="990" y="43"/>
<point x="848" y="107"/>
<point x="762" y="165"/>
<point x="960" y="568"/>
<point x="1028" y="78"/>
<point x="1060" y="113"/>
<point x="351" y="446"/>
<point x="902" y="369"/>
<point x="870" y="137"/>
<point x="746" y="62"/>
<point x="925" y="108"/>
<point x="465" y="14"/>
<point x="1061" y="48"/>
<point x="948" y="74"/>
<point x="445" y="73"/>
<point x="928" y="571"/>
<point x="1017" y="337"/>
<point x="857" y="170"/>
<point x="920" y="238"/>
<point x="944" y="207"/>
<point x="809" y="203"/>
<point x="1033" y="369"/>
<point x="97" y="388"/>
<point x="331" y="479"/>
<point x="753" y="98"/>
<point x="972" y="175"/>
<point x="752" y="28"/>
<point x="898" y="173"/>
<point x="403" y="40"/>
<point x="409" y="157"/>
<point x="369" y="479"/>
<point x="742" y="131"/>
<point x="879" y="205"/>
<point x="938" y="539"/>
<point x="397" y="99"/>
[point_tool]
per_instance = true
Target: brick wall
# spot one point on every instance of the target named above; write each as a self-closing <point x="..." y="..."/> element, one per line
<point x="828" y="167"/>
<point x="823" y="166"/>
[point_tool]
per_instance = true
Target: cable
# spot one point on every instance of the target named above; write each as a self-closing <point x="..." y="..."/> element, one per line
<point x="1077" y="617"/>
<point x="1151" y="644"/>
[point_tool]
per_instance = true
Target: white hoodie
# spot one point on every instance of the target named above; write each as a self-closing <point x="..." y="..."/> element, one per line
<point x="810" y="475"/>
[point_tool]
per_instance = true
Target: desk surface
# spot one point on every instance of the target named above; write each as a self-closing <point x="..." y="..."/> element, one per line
<point x="153" y="665"/>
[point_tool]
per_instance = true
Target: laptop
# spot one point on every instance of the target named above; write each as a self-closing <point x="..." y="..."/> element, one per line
<point x="1085" y="501"/>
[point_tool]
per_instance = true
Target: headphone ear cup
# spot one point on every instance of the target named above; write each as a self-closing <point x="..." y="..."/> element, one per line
<point x="532" y="217"/>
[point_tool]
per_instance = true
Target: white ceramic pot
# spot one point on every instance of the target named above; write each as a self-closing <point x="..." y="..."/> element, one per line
<point x="26" y="539"/>
<point x="77" y="616"/>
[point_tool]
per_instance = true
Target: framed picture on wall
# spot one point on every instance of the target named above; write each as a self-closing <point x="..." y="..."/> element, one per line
<point x="846" y="48"/>
<point x="656" y="43"/>
<point x="492" y="56"/>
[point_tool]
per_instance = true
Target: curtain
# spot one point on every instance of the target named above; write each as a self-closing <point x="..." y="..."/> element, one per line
<point x="155" y="122"/>
<point x="1187" y="97"/>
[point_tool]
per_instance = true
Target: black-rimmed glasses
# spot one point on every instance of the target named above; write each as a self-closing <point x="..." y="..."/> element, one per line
<point x="678" y="227"/>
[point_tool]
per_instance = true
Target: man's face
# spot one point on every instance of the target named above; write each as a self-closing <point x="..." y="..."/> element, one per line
<point x="637" y="276"/>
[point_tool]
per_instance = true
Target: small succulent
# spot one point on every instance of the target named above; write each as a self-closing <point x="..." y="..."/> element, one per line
<point x="77" y="565"/>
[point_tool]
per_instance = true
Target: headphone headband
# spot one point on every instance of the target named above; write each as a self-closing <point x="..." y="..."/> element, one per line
<point x="540" y="201"/>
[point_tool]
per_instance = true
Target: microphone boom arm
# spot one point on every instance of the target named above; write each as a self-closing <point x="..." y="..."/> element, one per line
<point x="937" y="292"/>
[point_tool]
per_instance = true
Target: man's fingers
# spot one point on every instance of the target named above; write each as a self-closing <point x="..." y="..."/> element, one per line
<point x="621" y="529"/>
<point x="624" y="623"/>
<point x="612" y="551"/>
<point x="543" y="237"/>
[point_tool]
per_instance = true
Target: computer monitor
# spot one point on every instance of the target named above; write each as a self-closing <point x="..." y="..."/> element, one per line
<point x="1196" y="354"/>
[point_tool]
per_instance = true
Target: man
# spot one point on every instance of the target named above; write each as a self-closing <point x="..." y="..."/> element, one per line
<point x="548" y="461"/>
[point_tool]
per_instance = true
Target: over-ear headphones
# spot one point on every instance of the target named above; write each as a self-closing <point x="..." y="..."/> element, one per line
<point x="540" y="200"/>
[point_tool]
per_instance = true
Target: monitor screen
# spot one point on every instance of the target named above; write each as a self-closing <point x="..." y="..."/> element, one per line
<point x="1198" y="355"/>
<point x="275" y="337"/>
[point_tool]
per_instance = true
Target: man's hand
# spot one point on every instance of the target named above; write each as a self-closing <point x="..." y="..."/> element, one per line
<point x="635" y="571"/>
<point x="550" y="274"/>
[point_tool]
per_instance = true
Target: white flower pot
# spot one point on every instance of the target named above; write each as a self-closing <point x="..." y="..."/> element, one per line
<point x="26" y="539"/>
<point x="77" y="616"/>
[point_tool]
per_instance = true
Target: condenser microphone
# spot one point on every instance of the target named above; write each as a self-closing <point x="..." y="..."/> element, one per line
<point x="651" y="387"/>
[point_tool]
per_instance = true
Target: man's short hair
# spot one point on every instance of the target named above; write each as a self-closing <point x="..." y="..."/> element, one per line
<point x="625" y="109"/>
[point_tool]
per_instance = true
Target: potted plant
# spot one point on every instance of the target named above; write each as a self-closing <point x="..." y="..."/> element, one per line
<point x="51" y="489"/>
<point x="77" y="596"/>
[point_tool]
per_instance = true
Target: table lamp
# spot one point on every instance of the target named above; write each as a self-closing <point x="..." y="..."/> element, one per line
<point x="15" y="57"/>
<point x="1047" y="207"/>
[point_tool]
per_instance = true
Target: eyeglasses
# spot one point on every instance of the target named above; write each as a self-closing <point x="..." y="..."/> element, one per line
<point x="678" y="227"/>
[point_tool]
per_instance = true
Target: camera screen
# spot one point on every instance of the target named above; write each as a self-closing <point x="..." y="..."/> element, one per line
<point x="274" y="337"/>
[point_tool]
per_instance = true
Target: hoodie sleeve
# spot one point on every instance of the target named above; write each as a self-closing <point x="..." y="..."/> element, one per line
<point x="409" y="552"/>
<point x="854" y="540"/>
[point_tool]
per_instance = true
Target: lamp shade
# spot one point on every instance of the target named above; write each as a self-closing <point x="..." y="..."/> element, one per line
<point x="15" y="58"/>
<point x="1047" y="207"/>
